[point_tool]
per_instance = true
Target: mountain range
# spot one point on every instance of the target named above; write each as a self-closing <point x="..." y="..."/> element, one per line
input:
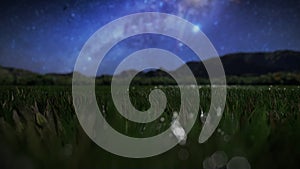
<point x="235" y="65"/>
<point x="248" y="64"/>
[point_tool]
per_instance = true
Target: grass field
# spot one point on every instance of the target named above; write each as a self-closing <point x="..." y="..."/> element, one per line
<point x="39" y="129"/>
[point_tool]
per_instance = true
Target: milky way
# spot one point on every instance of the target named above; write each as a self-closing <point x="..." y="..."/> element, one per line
<point x="47" y="36"/>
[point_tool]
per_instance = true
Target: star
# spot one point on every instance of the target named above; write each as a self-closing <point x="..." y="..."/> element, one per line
<point x="196" y="28"/>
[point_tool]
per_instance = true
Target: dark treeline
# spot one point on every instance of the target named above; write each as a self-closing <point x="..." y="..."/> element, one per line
<point x="279" y="78"/>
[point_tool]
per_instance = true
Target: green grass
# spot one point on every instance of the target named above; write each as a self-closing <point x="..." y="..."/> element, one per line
<point x="39" y="129"/>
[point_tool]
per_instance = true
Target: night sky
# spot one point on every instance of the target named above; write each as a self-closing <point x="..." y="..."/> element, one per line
<point x="47" y="36"/>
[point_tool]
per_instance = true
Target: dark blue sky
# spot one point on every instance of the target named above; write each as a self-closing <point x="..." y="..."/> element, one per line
<point x="47" y="36"/>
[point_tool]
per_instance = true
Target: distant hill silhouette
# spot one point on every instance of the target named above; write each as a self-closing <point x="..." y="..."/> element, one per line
<point x="275" y="67"/>
<point x="241" y="64"/>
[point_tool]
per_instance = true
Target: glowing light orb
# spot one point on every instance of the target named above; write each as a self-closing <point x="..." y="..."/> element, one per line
<point x="196" y="28"/>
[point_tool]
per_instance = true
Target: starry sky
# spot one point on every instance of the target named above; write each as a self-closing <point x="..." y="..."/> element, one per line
<point x="47" y="36"/>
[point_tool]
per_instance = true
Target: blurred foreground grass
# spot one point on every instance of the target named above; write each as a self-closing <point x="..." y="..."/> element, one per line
<point x="39" y="129"/>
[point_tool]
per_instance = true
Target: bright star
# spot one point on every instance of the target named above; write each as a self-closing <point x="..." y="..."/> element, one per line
<point x="196" y="28"/>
